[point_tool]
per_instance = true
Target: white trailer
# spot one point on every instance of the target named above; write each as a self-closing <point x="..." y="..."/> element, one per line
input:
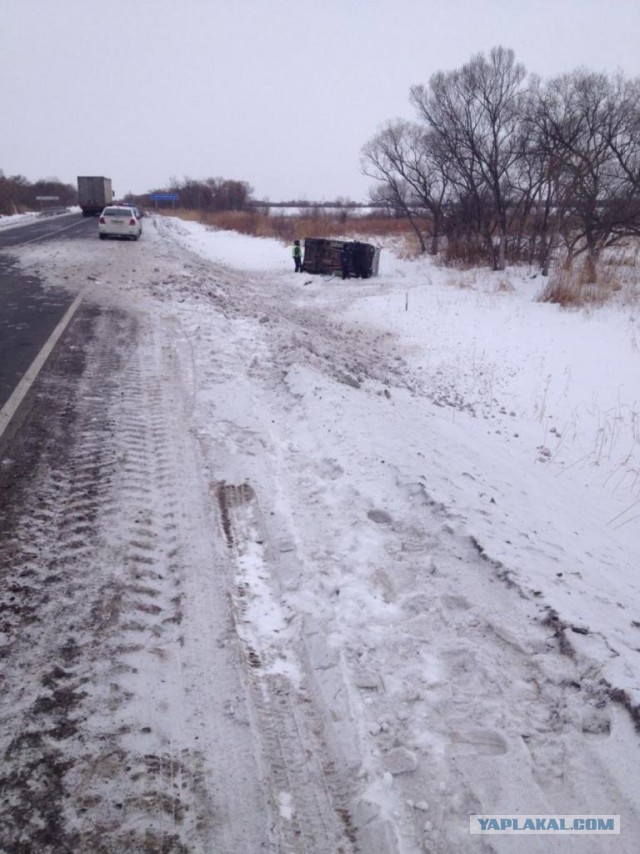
<point x="94" y="194"/>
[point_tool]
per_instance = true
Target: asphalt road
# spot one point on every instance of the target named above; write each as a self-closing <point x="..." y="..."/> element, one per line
<point x="69" y="225"/>
<point x="29" y="312"/>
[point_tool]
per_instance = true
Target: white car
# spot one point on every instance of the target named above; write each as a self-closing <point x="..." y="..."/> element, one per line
<point x="119" y="221"/>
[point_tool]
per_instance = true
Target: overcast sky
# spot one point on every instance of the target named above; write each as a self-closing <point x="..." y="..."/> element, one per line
<point x="282" y="94"/>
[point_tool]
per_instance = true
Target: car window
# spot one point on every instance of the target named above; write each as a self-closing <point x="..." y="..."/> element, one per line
<point x="117" y="212"/>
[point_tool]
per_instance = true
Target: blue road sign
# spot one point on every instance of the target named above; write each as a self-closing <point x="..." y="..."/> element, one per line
<point x="164" y="197"/>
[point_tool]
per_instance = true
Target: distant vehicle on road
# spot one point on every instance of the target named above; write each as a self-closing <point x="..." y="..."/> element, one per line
<point x="119" y="221"/>
<point x="134" y="205"/>
<point x="94" y="194"/>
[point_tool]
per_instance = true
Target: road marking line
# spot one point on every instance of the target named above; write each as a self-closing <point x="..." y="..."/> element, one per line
<point x="20" y="392"/>
<point x="43" y="236"/>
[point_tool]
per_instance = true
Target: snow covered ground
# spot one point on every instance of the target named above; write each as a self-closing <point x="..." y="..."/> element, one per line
<point x="427" y="490"/>
<point x="15" y="220"/>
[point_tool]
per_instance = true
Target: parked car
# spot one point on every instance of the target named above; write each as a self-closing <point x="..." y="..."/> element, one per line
<point x="119" y="221"/>
<point x="124" y="203"/>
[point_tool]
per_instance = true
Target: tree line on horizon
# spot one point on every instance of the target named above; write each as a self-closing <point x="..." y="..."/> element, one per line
<point x="213" y="195"/>
<point x="507" y="167"/>
<point x="18" y="194"/>
<point x="209" y="195"/>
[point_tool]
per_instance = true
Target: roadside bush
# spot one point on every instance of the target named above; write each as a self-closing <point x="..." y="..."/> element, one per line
<point x="463" y="254"/>
<point x="577" y="285"/>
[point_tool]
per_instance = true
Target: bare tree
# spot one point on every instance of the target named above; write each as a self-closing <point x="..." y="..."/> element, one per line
<point x="213" y="194"/>
<point x="229" y="195"/>
<point x="403" y="157"/>
<point x="14" y="193"/>
<point x="589" y="128"/>
<point x="506" y="166"/>
<point x="543" y="191"/>
<point x="475" y="114"/>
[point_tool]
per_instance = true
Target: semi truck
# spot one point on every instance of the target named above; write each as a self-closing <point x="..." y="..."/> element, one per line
<point x="94" y="194"/>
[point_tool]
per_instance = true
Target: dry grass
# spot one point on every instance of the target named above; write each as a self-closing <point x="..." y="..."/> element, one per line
<point x="464" y="255"/>
<point x="582" y="284"/>
<point x="289" y="227"/>
<point x="578" y="285"/>
<point x="503" y="286"/>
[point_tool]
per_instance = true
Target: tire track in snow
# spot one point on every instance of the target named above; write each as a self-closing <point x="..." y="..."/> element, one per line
<point x="468" y="697"/>
<point x="111" y="743"/>
<point x="310" y="794"/>
<point x="456" y="712"/>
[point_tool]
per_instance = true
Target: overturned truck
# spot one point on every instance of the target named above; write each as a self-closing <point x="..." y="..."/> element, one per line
<point x="360" y="260"/>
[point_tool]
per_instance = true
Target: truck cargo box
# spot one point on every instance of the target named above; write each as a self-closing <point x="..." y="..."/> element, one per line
<point x="325" y="256"/>
<point x="94" y="194"/>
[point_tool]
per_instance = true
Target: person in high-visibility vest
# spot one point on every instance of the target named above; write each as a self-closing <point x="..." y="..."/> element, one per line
<point x="297" y="256"/>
